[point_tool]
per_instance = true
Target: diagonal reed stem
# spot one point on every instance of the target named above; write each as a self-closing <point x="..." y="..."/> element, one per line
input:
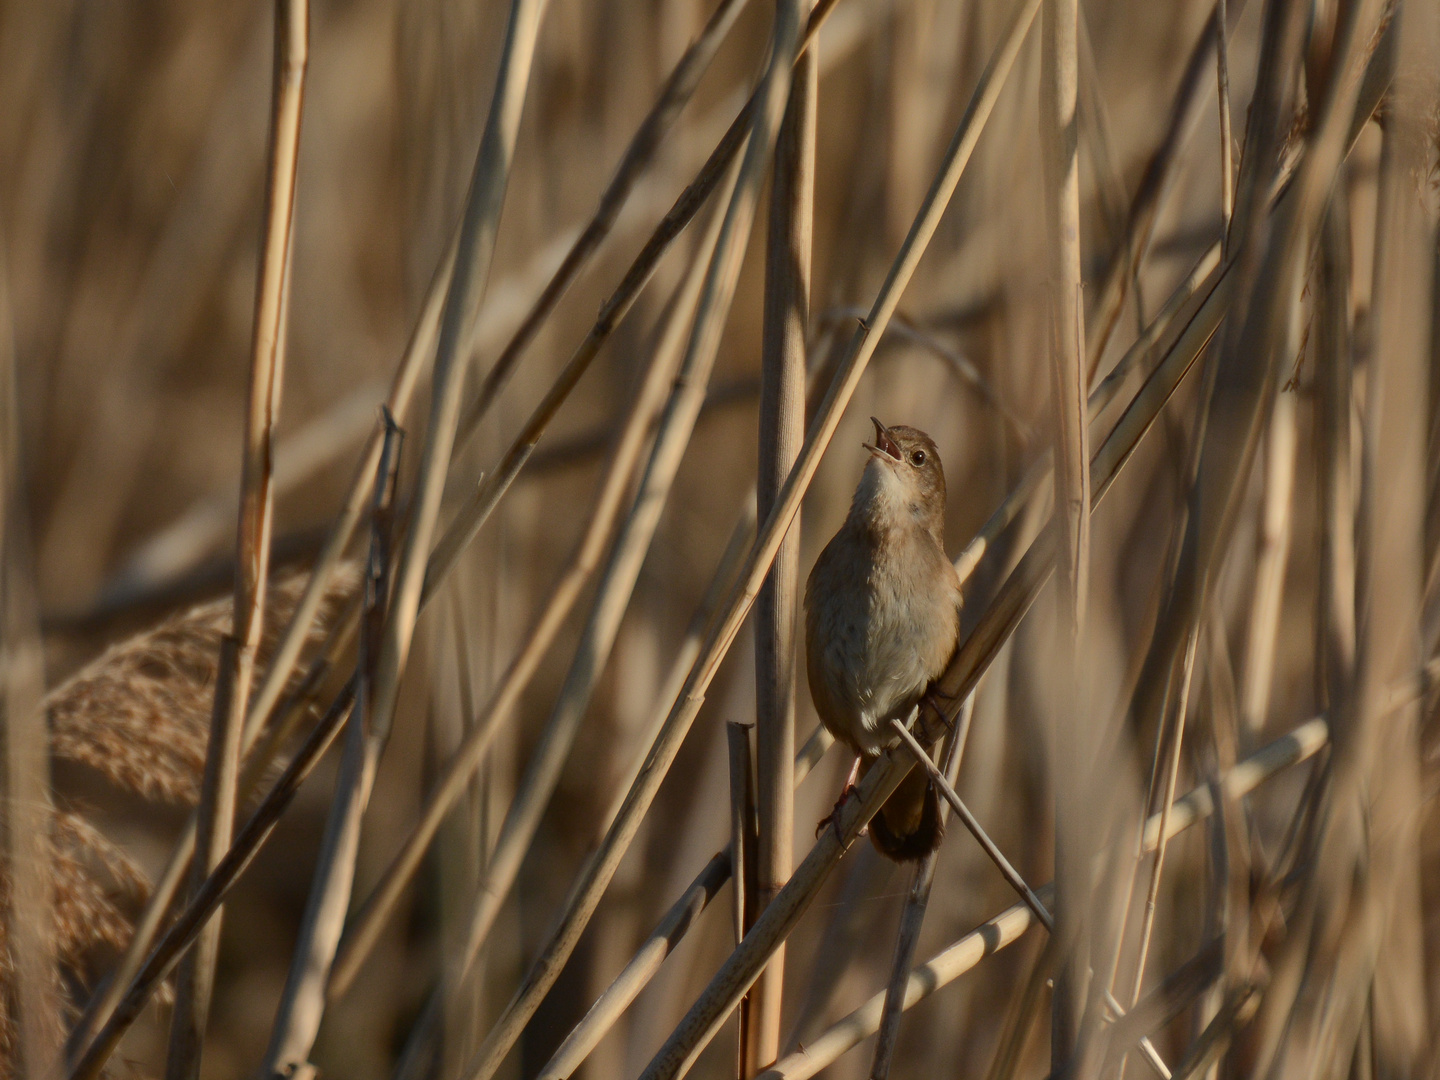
<point x="913" y="917"/>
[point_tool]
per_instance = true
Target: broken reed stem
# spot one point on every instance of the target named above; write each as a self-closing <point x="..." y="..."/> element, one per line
<point x="302" y="1002"/>
<point x="913" y="917"/>
<point x="477" y="507"/>
<point x="782" y="431"/>
<point x="216" y="811"/>
<point x="598" y="871"/>
<point x="638" y="158"/>
<point x="675" y="426"/>
<point x="179" y="934"/>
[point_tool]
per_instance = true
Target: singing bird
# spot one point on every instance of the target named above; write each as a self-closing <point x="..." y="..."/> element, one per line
<point x="882" y="617"/>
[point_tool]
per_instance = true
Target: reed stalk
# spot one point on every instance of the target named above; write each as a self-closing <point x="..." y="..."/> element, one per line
<point x="782" y="430"/>
<point x="216" y="812"/>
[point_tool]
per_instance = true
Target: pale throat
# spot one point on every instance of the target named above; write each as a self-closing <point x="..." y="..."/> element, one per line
<point x="885" y="500"/>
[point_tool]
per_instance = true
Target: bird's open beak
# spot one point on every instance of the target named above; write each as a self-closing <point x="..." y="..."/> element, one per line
<point x="884" y="442"/>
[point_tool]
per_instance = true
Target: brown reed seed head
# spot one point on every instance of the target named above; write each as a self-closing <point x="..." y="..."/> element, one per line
<point x="140" y="713"/>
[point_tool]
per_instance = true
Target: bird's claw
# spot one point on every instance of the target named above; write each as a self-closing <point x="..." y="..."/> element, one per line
<point x="832" y="819"/>
<point x="933" y="698"/>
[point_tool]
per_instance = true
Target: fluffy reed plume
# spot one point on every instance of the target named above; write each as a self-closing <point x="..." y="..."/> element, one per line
<point x="95" y="885"/>
<point x="140" y="713"/>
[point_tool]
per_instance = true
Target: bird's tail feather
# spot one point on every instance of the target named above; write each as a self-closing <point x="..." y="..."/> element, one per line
<point x="909" y="827"/>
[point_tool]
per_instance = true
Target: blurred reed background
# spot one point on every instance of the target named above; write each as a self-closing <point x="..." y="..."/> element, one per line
<point x="1250" y="616"/>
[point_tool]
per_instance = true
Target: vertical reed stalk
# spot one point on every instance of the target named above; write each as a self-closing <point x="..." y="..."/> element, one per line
<point x="216" y="814"/>
<point x="1059" y="124"/>
<point x="27" y="920"/>
<point x="1227" y="151"/>
<point x="1272" y="557"/>
<point x="782" y="430"/>
<point x="742" y="862"/>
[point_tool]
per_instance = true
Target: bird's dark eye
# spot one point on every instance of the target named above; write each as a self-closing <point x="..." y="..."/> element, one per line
<point x="917" y="458"/>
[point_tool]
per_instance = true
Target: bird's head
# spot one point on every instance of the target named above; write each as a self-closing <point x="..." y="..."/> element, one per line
<point x="904" y="481"/>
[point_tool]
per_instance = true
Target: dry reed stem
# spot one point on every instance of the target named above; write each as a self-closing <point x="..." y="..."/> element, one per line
<point x="1222" y="85"/>
<point x="215" y="813"/>
<point x="781" y="432"/>
<point x="586" y="892"/>
<point x="742" y="855"/>
<point x="1272" y="544"/>
<point x="676" y="422"/>
<point x="992" y="851"/>
<point x="30" y="1012"/>
<point x="913" y="917"/>
<point x="181" y="933"/>
<point x="1060" y="156"/>
<point x="302" y="1002"/>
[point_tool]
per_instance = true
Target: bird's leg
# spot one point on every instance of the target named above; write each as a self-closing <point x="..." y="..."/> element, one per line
<point x="833" y="818"/>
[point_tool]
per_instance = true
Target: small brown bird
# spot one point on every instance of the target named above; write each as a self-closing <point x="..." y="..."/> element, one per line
<point x="882" y="617"/>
